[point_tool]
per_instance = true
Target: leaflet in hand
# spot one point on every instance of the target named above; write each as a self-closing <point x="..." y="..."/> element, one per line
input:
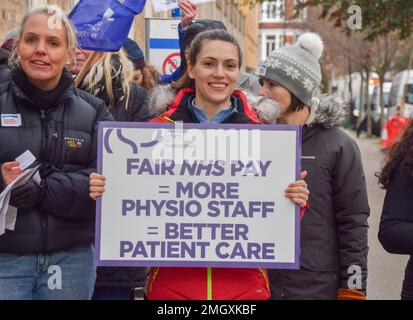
<point x="5" y="199"/>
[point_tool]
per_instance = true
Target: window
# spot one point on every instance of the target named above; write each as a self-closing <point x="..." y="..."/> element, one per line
<point x="274" y="42"/>
<point x="273" y="10"/>
<point x="270" y="44"/>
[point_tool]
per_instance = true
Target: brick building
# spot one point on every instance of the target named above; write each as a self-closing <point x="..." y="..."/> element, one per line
<point x="278" y="26"/>
<point x="241" y="21"/>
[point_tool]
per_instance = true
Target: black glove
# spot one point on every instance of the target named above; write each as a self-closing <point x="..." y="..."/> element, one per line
<point x="27" y="196"/>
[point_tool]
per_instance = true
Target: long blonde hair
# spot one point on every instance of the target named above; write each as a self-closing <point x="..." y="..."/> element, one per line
<point x="60" y="20"/>
<point x="100" y="65"/>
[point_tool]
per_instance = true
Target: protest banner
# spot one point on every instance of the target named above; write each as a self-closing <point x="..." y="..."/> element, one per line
<point x="104" y="25"/>
<point x="198" y="195"/>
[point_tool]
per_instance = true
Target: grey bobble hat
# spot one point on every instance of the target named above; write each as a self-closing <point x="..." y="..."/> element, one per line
<point x="296" y="67"/>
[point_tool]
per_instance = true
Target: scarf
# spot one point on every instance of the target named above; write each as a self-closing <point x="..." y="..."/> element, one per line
<point x="42" y="99"/>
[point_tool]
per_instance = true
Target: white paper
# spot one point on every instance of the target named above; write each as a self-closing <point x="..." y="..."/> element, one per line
<point x="26" y="159"/>
<point x="164" y="5"/>
<point x="11" y="217"/>
<point x="8" y="217"/>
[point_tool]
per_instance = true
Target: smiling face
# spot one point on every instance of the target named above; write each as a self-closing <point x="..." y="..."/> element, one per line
<point x="43" y="52"/>
<point x="215" y="73"/>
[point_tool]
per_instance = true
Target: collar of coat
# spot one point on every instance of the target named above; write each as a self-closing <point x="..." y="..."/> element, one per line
<point x="327" y="111"/>
<point x="166" y="99"/>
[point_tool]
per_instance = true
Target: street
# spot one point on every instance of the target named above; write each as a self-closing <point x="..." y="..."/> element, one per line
<point x="385" y="271"/>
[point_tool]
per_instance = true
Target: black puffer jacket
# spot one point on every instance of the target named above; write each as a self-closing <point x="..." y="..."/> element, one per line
<point x="396" y="225"/>
<point x="64" y="139"/>
<point x="334" y="228"/>
<point x="4" y="69"/>
<point x="138" y="109"/>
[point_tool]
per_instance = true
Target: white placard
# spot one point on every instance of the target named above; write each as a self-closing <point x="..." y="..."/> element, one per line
<point x="198" y="195"/>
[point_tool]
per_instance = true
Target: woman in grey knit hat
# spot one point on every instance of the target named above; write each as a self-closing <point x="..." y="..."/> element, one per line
<point x="334" y="229"/>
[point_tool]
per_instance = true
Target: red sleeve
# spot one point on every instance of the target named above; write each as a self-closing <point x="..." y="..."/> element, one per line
<point x="302" y="210"/>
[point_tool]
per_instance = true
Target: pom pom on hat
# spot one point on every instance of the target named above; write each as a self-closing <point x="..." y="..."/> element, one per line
<point x="312" y="43"/>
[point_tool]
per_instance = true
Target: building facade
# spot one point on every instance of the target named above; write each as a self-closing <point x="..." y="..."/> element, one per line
<point x="278" y="26"/>
<point x="236" y="18"/>
<point x="11" y="11"/>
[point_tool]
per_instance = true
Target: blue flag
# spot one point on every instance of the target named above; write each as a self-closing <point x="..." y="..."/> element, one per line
<point x="103" y="25"/>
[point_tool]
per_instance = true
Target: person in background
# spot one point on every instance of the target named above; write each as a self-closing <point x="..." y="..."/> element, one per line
<point x="206" y="94"/>
<point x="135" y="55"/>
<point x="189" y="12"/>
<point x="5" y="50"/>
<point x="145" y="75"/>
<point x="80" y="59"/>
<point x="57" y="123"/>
<point x="334" y="229"/>
<point x="149" y="79"/>
<point x="396" y="224"/>
<point x="188" y="30"/>
<point x="109" y="76"/>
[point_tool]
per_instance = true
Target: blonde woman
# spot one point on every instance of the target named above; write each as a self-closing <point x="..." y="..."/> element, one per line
<point x="109" y="76"/>
<point x="50" y="253"/>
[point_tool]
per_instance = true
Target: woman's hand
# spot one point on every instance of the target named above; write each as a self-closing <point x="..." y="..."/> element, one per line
<point x="96" y="185"/>
<point x="298" y="192"/>
<point x="189" y="11"/>
<point x="10" y="171"/>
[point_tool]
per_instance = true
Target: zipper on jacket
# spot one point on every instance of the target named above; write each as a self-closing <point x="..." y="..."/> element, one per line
<point x="168" y="119"/>
<point x="154" y="275"/>
<point x="209" y="283"/>
<point x="45" y="135"/>
<point x="43" y="153"/>
<point x="265" y="278"/>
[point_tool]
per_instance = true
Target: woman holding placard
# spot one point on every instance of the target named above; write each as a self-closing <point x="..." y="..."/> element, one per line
<point x="206" y="94"/>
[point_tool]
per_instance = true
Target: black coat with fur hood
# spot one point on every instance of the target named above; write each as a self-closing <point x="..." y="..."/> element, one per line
<point x="334" y="228"/>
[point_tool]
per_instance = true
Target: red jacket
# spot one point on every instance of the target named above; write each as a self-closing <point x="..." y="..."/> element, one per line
<point x="174" y="283"/>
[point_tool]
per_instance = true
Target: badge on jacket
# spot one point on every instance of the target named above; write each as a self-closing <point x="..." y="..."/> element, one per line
<point x="11" y="120"/>
<point x="74" y="143"/>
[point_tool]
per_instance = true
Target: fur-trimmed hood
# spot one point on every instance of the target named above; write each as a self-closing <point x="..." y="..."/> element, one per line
<point x="327" y="111"/>
<point x="267" y="110"/>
